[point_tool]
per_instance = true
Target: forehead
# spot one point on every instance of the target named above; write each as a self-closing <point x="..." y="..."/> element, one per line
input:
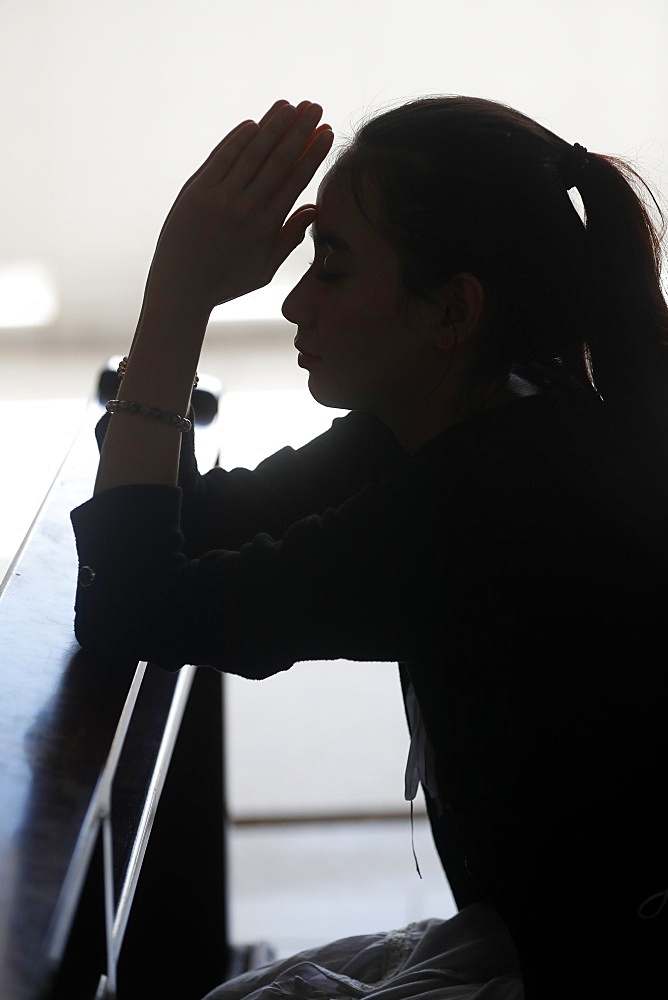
<point x="343" y="220"/>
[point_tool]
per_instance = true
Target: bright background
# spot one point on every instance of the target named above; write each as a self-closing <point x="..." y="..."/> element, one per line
<point x="106" y="108"/>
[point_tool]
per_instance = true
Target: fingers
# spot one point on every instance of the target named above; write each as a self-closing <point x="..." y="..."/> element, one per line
<point x="269" y="159"/>
<point x="302" y="172"/>
<point x="280" y="130"/>
<point x="286" y="143"/>
<point x="224" y="156"/>
<point x="209" y="171"/>
<point x="272" y="110"/>
<point x="278" y="154"/>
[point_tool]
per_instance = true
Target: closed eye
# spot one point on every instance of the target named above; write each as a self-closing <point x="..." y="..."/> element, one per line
<point x="323" y="274"/>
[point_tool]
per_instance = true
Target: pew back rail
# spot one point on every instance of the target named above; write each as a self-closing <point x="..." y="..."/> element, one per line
<point x="112" y="798"/>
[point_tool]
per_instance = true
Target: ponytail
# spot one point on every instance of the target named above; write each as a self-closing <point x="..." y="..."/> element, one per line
<point x="628" y="341"/>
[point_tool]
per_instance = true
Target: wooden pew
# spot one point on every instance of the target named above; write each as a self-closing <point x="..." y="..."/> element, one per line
<point x="113" y="873"/>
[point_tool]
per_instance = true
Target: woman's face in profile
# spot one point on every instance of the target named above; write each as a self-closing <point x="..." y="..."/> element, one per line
<point x="360" y="336"/>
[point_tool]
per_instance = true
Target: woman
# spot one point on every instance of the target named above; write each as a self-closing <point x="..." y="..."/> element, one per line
<point x="490" y="514"/>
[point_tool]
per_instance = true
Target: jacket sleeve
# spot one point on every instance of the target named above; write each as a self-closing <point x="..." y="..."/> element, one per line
<point x="225" y="509"/>
<point x="362" y="581"/>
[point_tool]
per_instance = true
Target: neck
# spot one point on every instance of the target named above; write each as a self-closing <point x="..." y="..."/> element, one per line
<point x="413" y="427"/>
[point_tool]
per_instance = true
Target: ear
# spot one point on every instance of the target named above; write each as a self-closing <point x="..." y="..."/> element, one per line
<point x="461" y="301"/>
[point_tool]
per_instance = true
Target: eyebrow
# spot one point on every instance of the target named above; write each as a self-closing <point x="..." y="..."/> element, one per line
<point x="328" y="238"/>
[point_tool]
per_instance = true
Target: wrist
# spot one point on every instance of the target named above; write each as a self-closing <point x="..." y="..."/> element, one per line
<point x="161" y="367"/>
<point x="169" y="306"/>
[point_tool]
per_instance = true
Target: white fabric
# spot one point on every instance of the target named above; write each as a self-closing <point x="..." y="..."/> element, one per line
<point x="420" y="766"/>
<point x="469" y="957"/>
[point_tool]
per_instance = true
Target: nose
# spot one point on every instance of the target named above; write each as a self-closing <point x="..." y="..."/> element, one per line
<point x="298" y="305"/>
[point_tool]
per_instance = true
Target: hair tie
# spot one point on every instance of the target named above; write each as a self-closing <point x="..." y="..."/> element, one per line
<point x="573" y="164"/>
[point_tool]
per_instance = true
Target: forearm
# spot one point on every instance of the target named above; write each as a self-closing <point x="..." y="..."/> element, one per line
<point x="160" y="373"/>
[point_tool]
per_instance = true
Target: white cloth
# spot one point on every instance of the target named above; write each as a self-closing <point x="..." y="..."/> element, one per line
<point x="469" y="957"/>
<point x="420" y="766"/>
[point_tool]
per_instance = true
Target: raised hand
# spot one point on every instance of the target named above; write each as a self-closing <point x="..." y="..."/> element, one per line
<point x="229" y="229"/>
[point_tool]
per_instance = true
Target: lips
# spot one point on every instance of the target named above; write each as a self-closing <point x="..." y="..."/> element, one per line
<point x="303" y="348"/>
<point x="305" y="358"/>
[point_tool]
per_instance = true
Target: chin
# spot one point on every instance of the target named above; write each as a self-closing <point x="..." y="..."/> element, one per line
<point x="334" y="396"/>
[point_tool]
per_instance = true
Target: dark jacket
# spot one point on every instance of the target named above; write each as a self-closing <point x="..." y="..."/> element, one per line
<point x="516" y="567"/>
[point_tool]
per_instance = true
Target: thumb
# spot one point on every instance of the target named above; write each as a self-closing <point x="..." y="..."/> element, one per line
<point x="294" y="231"/>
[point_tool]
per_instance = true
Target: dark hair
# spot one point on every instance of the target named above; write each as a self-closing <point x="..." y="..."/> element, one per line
<point x="467" y="184"/>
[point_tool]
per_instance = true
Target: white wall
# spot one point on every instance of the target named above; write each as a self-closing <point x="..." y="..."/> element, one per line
<point x="106" y="108"/>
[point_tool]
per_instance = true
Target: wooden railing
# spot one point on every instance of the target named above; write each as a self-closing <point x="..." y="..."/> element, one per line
<point x="113" y="873"/>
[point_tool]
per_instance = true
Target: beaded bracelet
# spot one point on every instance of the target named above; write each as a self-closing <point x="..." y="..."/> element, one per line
<point x="123" y="366"/>
<point x="122" y="405"/>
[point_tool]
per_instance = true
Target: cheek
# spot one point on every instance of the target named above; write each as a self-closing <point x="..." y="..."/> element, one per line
<point x="369" y="323"/>
<point x="349" y="372"/>
<point x="366" y="367"/>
